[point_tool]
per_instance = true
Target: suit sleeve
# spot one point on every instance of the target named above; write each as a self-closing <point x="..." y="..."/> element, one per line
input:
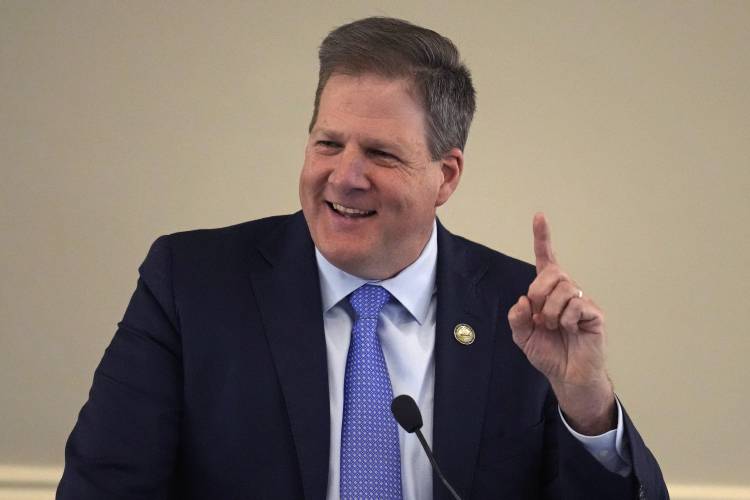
<point x="124" y="444"/>
<point x="577" y="474"/>
<point x="568" y="470"/>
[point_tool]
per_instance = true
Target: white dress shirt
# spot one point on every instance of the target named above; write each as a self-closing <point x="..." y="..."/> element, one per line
<point x="407" y="335"/>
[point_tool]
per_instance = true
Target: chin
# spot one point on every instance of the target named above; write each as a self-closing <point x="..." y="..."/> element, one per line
<point x="353" y="262"/>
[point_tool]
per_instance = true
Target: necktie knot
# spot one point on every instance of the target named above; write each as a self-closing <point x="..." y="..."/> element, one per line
<point x="368" y="300"/>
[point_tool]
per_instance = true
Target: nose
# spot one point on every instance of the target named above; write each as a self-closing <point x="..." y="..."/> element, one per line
<point x="349" y="173"/>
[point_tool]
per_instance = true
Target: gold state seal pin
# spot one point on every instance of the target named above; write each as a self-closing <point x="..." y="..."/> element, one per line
<point x="464" y="334"/>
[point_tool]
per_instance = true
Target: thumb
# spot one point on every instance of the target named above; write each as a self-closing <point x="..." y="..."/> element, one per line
<point x="520" y="320"/>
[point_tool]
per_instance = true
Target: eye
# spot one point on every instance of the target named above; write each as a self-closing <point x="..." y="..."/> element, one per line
<point x="327" y="148"/>
<point x="377" y="153"/>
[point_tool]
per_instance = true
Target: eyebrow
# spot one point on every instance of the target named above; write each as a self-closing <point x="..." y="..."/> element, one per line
<point x="331" y="134"/>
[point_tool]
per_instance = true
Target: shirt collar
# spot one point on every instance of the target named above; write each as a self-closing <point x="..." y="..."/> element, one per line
<point x="413" y="287"/>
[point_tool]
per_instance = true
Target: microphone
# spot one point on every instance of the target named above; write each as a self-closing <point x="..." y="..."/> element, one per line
<point x="408" y="416"/>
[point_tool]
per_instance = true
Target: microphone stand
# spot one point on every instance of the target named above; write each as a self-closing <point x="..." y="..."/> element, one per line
<point x="427" y="450"/>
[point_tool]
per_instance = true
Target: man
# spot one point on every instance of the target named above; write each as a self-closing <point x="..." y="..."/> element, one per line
<point x="258" y="361"/>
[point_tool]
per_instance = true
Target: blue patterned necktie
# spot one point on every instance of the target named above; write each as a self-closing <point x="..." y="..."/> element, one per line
<point x="370" y="456"/>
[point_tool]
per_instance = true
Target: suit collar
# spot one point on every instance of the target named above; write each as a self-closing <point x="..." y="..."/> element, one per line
<point x="413" y="287"/>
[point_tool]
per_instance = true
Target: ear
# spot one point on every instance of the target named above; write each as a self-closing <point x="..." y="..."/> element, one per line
<point x="451" y="166"/>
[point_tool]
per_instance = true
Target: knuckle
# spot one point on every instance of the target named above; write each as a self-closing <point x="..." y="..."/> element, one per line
<point x="516" y="315"/>
<point x="551" y="309"/>
<point x="554" y="269"/>
<point x="577" y="304"/>
<point x="551" y="272"/>
<point x="568" y="324"/>
<point x="513" y="315"/>
<point x="535" y="296"/>
<point x="549" y="317"/>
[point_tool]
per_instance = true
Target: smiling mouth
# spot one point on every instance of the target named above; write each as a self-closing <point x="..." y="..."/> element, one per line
<point x="348" y="211"/>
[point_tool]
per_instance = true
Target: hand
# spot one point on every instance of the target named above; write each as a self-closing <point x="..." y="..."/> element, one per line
<point x="561" y="332"/>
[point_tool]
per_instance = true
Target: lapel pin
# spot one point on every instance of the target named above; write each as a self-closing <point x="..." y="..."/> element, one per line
<point x="464" y="334"/>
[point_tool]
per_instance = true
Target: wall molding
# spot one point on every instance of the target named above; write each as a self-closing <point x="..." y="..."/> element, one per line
<point x="25" y="482"/>
<point x="29" y="474"/>
<point x="685" y="491"/>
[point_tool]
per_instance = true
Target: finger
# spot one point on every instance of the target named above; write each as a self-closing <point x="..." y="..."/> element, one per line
<point x="592" y="318"/>
<point x="556" y="303"/>
<point x="581" y="315"/>
<point x="542" y="243"/>
<point x="543" y="284"/>
<point x="571" y="315"/>
<point x="519" y="318"/>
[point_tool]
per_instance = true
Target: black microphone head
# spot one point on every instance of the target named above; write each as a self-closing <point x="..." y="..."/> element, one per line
<point x="407" y="413"/>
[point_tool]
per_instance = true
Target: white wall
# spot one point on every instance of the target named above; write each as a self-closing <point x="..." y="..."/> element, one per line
<point x="627" y="122"/>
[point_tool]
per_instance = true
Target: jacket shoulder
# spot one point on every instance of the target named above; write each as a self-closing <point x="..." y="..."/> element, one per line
<point x="495" y="267"/>
<point x="493" y="256"/>
<point x="224" y="248"/>
<point x="249" y="232"/>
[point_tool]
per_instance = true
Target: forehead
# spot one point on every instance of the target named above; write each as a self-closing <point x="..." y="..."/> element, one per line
<point x="372" y="105"/>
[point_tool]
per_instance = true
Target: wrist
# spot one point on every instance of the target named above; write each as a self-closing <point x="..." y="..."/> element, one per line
<point x="590" y="410"/>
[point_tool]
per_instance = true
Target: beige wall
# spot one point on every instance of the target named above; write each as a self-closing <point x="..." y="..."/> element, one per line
<point x="627" y="122"/>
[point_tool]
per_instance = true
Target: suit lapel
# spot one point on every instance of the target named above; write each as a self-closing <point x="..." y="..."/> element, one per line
<point x="462" y="372"/>
<point x="288" y="296"/>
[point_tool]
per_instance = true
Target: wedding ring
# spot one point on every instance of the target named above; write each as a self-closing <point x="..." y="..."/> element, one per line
<point x="579" y="294"/>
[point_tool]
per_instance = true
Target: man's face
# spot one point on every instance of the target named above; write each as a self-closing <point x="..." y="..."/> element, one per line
<point x="369" y="188"/>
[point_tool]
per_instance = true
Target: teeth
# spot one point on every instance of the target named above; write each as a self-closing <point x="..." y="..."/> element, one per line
<point x="350" y="211"/>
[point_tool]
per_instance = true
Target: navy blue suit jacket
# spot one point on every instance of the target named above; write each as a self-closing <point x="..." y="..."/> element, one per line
<point x="215" y="384"/>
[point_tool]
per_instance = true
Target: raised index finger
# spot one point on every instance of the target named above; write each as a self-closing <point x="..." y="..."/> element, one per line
<point x="542" y="243"/>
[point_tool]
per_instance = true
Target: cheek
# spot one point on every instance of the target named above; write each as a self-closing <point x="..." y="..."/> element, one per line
<point x="307" y="191"/>
<point x="406" y="206"/>
<point x="310" y="178"/>
<point x="303" y="182"/>
<point x="416" y="194"/>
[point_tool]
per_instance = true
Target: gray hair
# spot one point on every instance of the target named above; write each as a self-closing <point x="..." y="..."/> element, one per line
<point x="394" y="48"/>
